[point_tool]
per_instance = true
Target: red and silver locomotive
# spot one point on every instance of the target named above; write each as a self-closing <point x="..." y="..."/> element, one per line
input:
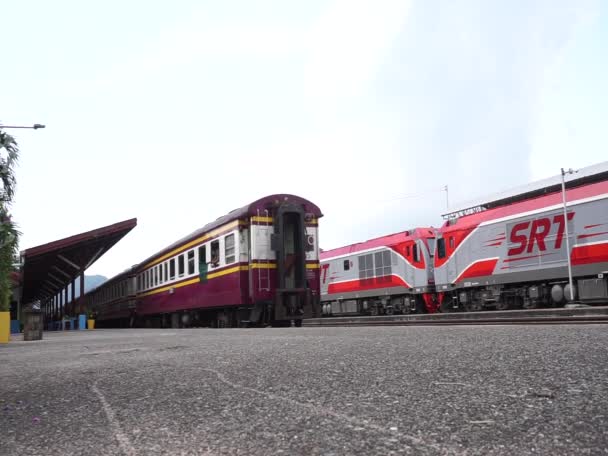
<point x="256" y="265"/>
<point x="513" y="252"/>
<point x="390" y="274"/>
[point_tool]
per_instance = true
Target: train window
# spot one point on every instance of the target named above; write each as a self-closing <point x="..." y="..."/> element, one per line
<point x="172" y="269"/>
<point x="191" y="262"/>
<point x="180" y="265"/>
<point x="441" y="248"/>
<point x="155" y="275"/>
<point x="215" y="253"/>
<point x="366" y="266"/>
<point x="229" y="248"/>
<point x="415" y="252"/>
<point x="386" y="260"/>
<point x="166" y="269"/>
<point x="451" y="242"/>
<point x="383" y="263"/>
<point x="202" y="256"/>
<point x="346" y="265"/>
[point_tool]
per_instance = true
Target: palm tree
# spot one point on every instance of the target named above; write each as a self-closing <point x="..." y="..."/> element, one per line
<point x="9" y="154"/>
<point x="9" y="236"/>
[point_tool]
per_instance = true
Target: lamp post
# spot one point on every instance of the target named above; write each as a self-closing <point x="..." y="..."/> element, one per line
<point x="569" y="171"/>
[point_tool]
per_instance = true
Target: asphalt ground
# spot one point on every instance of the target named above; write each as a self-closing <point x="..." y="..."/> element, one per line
<point x="469" y="390"/>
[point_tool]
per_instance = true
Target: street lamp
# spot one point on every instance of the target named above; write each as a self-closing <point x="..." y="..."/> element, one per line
<point x="33" y="127"/>
<point x="569" y="171"/>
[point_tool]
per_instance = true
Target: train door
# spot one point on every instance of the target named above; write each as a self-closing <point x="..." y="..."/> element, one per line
<point x="293" y="296"/>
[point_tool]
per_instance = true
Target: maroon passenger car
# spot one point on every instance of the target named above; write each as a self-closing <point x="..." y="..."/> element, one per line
<point x="256" y="265"/>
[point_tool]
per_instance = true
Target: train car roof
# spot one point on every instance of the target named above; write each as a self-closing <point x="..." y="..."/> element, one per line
<point x="528" y="206"/>
<point x="387" y="240"/>
<point x="583" y="176"/>
<point x="255" y="208"/>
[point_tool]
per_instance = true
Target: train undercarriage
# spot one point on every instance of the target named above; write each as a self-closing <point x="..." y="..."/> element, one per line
<point x="384" y="305"/>
<point x="555" y="293"/>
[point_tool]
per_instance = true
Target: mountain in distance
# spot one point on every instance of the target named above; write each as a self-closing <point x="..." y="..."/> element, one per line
<point x="93" y="281"/>
<point x="90" y="282"/>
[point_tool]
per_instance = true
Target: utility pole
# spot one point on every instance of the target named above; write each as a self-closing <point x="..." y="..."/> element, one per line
<point x="569" y="171"/>
<point x="447" y="201"/>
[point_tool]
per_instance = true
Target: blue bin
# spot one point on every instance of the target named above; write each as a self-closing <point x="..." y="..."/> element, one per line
<point x="72" y="323"/>
<point x="82" y="321"/>
<point x="15" y="327"/>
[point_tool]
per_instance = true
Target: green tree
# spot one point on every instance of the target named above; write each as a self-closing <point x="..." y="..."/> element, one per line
<point x="9" y="235"/>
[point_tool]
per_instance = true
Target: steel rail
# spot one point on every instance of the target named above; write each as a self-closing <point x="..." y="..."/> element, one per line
<point x="550" y="320"/>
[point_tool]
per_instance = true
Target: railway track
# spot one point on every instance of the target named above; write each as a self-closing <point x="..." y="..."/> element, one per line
<point x="587" y="315"/>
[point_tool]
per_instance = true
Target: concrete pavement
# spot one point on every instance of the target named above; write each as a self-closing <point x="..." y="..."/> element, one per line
<point x="332" y="391"/>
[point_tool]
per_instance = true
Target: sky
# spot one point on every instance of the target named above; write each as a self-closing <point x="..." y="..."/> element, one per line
<point x="178" y="112"/>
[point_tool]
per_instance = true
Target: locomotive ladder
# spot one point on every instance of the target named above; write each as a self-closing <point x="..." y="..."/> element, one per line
<point x="263" y="264"/>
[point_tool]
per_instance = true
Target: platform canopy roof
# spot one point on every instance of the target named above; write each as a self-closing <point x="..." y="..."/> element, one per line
<point x="49" y="268"/>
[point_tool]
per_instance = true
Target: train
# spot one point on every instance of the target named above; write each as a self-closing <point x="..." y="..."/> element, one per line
<point x="261" y="264"/>
<point x="255" y="266"/>
<point x="509" y="251"/>
<point x="385" y="275"/>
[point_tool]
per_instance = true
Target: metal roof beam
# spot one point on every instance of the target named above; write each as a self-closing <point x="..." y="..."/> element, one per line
<point x="94" y="257"/>
<point x="71" y="263"/>
<point x="56" y="279"/>
<point x="62" y="272"/>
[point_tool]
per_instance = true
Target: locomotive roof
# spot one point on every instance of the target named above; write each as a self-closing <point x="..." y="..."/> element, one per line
<point x="587" y="175"/>
<point x="527" y="206"/>
<point x="256" y="208"/>
<point x="381" y="241"/>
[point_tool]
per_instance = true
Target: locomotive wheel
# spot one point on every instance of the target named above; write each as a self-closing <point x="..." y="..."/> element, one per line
<point x="374" y="311"/>
<point x="389" y="311"/>
<point x="530" y="304"/>
<point x="473" y="306"/>
<point x="446" y="307"/>
<point x="502" y="305"/>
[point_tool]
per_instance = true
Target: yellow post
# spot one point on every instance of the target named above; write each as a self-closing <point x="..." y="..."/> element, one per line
<point x="91" y="324"/>
<point x="5" y="327"/>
